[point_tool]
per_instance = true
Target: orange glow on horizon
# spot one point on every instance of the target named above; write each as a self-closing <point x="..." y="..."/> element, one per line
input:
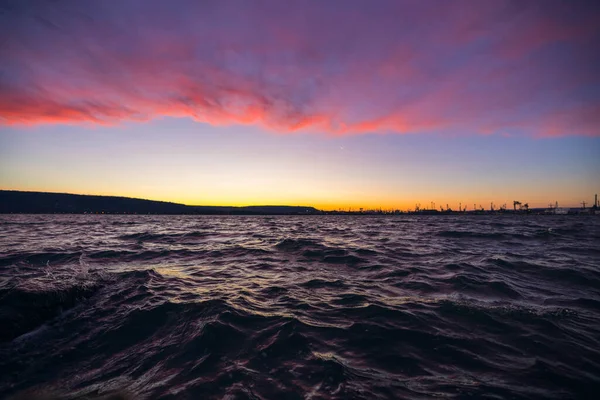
<point x="385" y="204"/>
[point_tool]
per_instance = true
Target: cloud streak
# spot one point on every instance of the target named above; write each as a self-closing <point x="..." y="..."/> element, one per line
<point x="337" y="67"/>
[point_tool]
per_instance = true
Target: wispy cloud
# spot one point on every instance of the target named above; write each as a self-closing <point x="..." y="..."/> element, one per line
<point x="336" y="67"/>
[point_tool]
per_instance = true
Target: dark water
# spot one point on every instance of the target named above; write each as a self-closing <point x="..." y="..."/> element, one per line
<point x="301" y="307"/>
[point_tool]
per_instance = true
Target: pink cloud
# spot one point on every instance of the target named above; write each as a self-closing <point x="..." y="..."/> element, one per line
<point x="402" y="67"/>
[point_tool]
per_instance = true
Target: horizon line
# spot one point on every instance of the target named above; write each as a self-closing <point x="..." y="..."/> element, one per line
<point x="339" y="208"/>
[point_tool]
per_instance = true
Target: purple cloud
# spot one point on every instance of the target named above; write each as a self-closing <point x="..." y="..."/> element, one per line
<point x="338" y="67"/>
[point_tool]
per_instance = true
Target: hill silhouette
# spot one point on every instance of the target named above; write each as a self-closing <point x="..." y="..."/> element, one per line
<point x="20" y="202"/>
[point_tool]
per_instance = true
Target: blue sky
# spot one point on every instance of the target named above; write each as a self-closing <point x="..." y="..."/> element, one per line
<point x="248" y="165"/>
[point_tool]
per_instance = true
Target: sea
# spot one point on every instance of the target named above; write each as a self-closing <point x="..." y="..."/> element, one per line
<point x="300" y="307"/>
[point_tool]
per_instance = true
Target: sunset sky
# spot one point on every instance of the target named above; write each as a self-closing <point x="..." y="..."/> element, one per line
<point x="326" y="103"/>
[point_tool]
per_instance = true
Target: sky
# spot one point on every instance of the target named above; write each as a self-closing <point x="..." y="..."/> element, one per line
<point x="333" y="104"/>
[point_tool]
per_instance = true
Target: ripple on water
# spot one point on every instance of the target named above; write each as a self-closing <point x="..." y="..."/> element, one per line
<point x="183" y="307"/>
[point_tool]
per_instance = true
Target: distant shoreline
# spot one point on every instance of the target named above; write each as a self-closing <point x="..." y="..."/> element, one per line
<point x="21" y="202"/>
<point x="321" y="213"/>
<point x="37" y="203"/>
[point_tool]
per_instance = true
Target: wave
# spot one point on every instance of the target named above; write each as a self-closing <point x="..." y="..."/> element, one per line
<point x="322" y="283"/>
<point x="345" y="259"/>
<point x="297" y="244"/>
<point x="485" y="288"/>
<point x="580" y="276"/>
<point x="313" y="250"/>
<point x="23" y="310"/>
<point x="125" y="256"/>
<point x="534" y="314"/>
<point x="166" y="237"/>
<point x="475" y="235"/>
<point x="42" y="258"/>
